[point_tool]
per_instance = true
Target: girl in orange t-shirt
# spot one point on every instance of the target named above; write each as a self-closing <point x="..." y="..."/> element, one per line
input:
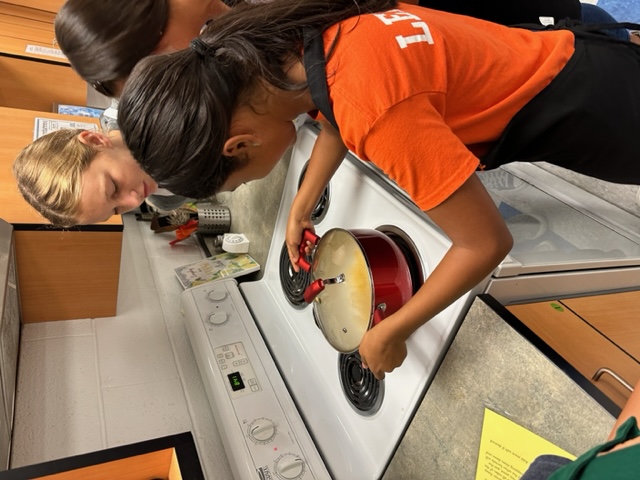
<point x="427" y="96"/>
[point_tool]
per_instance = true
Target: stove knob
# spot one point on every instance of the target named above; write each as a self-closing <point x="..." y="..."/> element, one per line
<point x="289" y="466"/>
<point x="262" y="430"/>
<point x="218" y="318"/>
<point x="217" y="295"/>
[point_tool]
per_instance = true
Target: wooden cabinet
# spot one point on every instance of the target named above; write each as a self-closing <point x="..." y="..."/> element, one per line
<point x="37" y="85"/>
<point x="21" y="27"/>
<point x="45" y="5"/>
<point x="592" y="333"/>
<point x="62" y="274"/>
<point x="35" y="73"/>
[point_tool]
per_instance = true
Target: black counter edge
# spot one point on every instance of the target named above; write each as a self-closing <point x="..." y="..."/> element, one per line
<point x="183" y="444"/>
<point x="551" y="354"/>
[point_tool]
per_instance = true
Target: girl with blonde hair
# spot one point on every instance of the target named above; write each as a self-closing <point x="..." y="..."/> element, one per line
<point x="76" y="177"/>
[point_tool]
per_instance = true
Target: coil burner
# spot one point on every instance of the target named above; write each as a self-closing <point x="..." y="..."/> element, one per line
<point x="322" y="206"/>
<point x="293" y="283"/>
<point x="361" y="388"/>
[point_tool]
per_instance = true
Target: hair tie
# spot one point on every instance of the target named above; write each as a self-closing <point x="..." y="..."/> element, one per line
<point x="198" y="46"/>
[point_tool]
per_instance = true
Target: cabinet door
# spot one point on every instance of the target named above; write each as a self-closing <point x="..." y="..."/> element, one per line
<point x="27" y="32"/>
<point x="68" y="275"/>
<point x="35" y="73"/>
<point x="581" y="345"/>
<point x="616" y="315"/>
<point x="36" y="85"/>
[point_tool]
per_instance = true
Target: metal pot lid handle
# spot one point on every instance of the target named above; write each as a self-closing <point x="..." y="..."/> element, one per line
<point x="318" y="285"/>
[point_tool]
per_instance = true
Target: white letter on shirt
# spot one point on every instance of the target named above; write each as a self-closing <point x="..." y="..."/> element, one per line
<point x="395" y="16"/>
<point x="404" y="41"/>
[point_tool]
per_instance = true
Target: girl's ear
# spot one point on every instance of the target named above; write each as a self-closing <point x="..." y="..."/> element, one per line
<point x="94" y="139"/>
<point x="239" y="144"/>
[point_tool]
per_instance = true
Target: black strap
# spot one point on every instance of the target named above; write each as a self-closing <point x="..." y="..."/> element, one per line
<point x="610" y="26"/>
<point x="315" y="66"/>
<point x="579" y="28"/>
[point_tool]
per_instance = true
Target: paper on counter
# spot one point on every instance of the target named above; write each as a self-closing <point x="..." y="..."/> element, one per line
<point x="42" y="126"/>
<point x="507" y="449"/>
<point x="216" y="267"/>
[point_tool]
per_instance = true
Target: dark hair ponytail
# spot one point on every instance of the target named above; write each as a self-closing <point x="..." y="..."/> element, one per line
<point x="174" y="114"/>
<point x="175" y="110"/>
<point x="104" y="39"/>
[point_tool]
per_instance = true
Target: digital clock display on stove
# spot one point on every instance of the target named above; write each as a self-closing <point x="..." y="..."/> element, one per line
<point x="236" y="381"/>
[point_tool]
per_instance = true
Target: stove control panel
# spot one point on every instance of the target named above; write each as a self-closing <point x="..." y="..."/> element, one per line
<point x="263" y="433"/>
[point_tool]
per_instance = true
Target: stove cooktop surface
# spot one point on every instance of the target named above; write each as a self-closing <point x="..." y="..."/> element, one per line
<point x="354" y="442"/>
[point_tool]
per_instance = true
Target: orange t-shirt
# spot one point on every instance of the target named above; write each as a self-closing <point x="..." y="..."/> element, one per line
<point x="419" y="91"/>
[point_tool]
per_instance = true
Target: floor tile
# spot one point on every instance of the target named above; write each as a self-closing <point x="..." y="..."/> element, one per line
<point x="134" y="266"/>
<point x="215" y="465"/>
<point x="64" y="328"/>
<point x="134" y="347"/>
<point x="144" y="411"/>
<point x="58" y="407"/>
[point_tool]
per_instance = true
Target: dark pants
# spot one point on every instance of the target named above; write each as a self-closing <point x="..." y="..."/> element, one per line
<point x="543" y="466"/>
<point x="587" y="119"/>
<point x="509" y="12"/>
<point x="593" y="14"/>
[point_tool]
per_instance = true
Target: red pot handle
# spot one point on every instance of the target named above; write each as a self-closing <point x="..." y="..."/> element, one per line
<point x="313" y="290"/>
<point x="307" y="236"/>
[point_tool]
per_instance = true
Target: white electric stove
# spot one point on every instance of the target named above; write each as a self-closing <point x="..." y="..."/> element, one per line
<point x="314" y="413"/>
<point x="355" y="421"/>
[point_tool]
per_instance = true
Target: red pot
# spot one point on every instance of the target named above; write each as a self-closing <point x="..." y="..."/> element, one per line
<point x="359" y="278"/>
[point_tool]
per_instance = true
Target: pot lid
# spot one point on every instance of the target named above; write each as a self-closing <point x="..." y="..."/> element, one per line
<point x="344" y="310"/>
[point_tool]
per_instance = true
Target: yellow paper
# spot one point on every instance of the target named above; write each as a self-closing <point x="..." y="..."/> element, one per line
<point x="507" y="449"/>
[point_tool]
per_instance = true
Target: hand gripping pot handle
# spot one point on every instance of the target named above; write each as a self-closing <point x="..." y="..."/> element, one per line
<point x="307" y="236"/>
<point x="318" y="285"/>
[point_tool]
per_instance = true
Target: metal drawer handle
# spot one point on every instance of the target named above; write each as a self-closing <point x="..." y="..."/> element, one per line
<point x="598" y="374"/>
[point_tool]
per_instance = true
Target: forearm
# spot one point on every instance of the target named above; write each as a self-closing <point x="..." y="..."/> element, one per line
<point x="459" y="271"/>
<point x="328" y="152"/>
<point x="327" y="155"/>
<point x="480" y="240"/>
<point x="383" y="347"/>
<point x="630" y="409"/>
